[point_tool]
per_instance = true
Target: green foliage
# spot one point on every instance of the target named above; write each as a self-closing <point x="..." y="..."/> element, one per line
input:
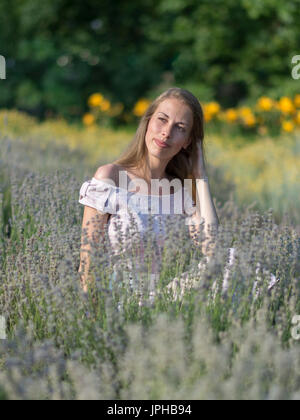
<point x="237" y="48"/>
<point x="60" y="52"/>
<point x="64" y="51"/>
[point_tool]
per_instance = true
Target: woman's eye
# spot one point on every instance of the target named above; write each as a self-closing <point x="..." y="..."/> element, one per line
<point x="180" y="128"/>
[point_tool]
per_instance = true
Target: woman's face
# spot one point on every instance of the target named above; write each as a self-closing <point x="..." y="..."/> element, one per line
<point x="171" y="124"/>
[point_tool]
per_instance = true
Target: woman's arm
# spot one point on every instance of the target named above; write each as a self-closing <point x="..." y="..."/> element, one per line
<point x="205" y="208"/>
<point x="93" y="224"/>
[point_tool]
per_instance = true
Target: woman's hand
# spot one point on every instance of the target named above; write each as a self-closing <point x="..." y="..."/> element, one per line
<point x="199" y="169"/>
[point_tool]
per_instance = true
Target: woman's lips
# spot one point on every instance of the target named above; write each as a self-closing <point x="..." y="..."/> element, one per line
<point x="160" y="144"/>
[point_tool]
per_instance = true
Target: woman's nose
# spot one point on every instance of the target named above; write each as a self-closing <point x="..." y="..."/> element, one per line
<point x="167" y="131"/>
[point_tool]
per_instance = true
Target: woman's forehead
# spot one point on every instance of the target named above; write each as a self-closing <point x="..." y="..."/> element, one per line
<point x="175" y="108"/>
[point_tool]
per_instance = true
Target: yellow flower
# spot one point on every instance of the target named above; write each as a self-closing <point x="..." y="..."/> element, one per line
<point x="231" y="115"/>
<point x="297" y="118"/>
<point x="213" y="108"/>
<point x="297" y="100"/>
<point x="247" y="116"/>
<point x="88" y="119"/>
<point x="207" y="116"/>
<point x="287" y="126"/>
<point x="264" y="103"/>
<point x="105" y="105"/>
<point x="244" y="111"/>
<point x="249" y="120"/>
<point x="286" y="105"/>
<point x="95" y="100"/>
<point x="141" y="107"/>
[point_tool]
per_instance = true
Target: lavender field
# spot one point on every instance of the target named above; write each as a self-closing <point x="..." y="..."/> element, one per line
<point x="61" y="344"/>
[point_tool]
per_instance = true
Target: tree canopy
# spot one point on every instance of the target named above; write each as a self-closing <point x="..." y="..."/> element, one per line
<point x="59" y="52"/>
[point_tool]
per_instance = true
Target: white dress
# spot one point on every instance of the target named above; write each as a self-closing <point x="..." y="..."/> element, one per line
<point x="126" y="207"/>
<point x="145" y="212"/>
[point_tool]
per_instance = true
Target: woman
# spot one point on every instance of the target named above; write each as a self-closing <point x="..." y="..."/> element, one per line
<point x="168" y="146"/>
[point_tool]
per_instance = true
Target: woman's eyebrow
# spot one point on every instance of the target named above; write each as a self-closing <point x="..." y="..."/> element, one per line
<point x="181" y="122"/>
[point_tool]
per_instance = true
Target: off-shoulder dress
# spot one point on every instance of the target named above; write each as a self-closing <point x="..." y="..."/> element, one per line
<point x="132" y="213"/>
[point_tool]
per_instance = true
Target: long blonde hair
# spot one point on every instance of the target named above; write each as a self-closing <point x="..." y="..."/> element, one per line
<point x="182" y="164"/>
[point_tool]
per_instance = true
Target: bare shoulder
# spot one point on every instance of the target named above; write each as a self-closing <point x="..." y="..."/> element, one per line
<point x="107" y="172"/>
